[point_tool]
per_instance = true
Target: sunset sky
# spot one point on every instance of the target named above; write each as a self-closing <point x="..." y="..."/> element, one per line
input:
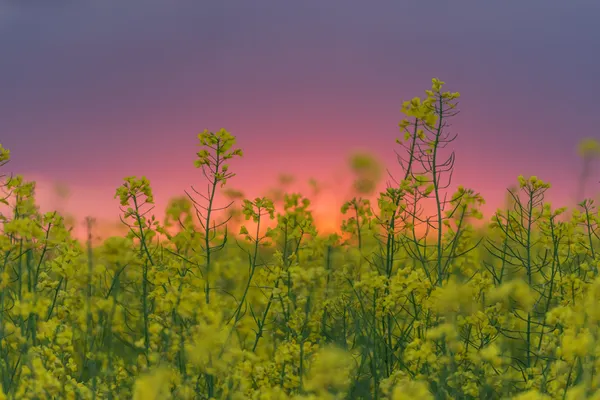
<point x="92" y="91"/>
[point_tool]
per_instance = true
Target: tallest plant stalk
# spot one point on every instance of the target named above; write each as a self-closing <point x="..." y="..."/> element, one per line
<point x="428" y="137"/>
<point x="436" y="190"/>
<point x="435" y="178"/>
<point x="435" y="111"/>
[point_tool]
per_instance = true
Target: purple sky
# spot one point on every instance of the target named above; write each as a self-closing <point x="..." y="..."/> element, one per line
<point x="92" y="91"/>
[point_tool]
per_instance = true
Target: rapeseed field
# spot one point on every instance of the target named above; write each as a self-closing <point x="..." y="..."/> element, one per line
<point x="400" y="304"/>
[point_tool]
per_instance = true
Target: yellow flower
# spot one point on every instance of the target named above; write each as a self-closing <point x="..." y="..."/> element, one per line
<point x="4" y="155"/>
<point x="531" y="395"/>
<point x="453" y="297"/>
<point x="587" y="148"/>
<point x="436" y="85"/>
<point x="152" y="386"/>
<point x="516" y="290"/>
<point x="491" y="354"/>
<point x="330" y="371"/>
<point x="411" y="390"/>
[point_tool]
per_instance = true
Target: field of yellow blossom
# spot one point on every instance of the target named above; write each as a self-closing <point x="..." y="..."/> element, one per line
<point x="399" y="305"/>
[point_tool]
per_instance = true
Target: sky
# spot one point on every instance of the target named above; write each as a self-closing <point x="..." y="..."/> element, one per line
<point x="93" y="91"/>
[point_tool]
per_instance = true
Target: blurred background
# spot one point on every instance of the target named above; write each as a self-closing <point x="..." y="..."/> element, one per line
<point x="93" y="91"/>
